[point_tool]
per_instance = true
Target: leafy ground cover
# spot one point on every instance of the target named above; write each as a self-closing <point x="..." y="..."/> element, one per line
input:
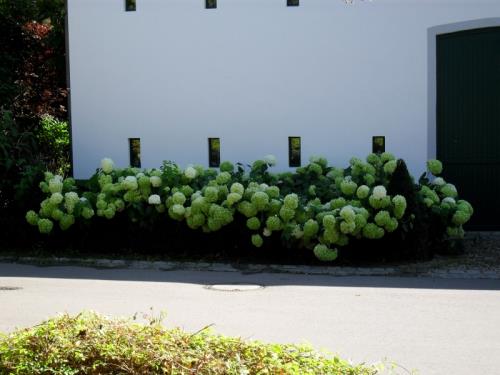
<point x="92" y="344"/>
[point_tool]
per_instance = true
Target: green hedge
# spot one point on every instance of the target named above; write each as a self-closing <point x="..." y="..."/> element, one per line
<point x="319" y="207"/>
<point x="91" y="344"/>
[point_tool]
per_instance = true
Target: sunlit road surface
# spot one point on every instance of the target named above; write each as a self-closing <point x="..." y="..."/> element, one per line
<point x="445" y="327"/>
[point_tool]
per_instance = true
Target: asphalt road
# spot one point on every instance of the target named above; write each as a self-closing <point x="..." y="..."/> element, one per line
<point x="445" y="327"/>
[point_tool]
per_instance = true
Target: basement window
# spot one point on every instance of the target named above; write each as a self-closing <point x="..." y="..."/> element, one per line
<point x="130" y="5"/>
<point x="378" y="144"/>
<point x="292" y="3"/>
<point x="213" y="152"/>
<point x="294" y="151"/>
<point x="135" y="152"/>
<point x="210" y="4"/>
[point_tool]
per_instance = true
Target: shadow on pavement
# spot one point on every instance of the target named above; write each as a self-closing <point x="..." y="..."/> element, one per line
<point x="12" y="270"/>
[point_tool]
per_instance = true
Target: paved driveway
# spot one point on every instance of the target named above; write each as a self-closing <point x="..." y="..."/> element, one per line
<point x="445" y="327"/>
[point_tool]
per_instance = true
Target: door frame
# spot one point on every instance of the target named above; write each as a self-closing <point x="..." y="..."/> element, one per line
<point x="432" y="34"/>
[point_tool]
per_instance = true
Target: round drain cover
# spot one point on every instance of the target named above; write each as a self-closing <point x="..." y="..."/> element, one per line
<point x="235" y="287"/>
<point x="9" y="288"/>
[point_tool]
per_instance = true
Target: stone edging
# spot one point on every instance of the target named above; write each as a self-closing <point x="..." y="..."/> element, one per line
<point x="418" y="269"/>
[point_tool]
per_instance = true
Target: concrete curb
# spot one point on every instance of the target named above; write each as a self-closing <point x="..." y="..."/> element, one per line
<point x="412" y="270"/>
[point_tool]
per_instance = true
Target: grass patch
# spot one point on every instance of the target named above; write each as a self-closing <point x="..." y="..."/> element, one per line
<point x="93" y="344"/>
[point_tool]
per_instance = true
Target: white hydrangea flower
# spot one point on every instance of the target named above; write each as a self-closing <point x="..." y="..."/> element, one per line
<point x="56" y="184"/>
<point x="154" y="199"/>
<point x="439" y="181"/>
<point x="267" y="232"/>
<point x="130" y="183"/>
<point x="139" y="175"/>
<point x="155" y="181"/>
<point x="107" y="165"/>
<point x="270" y="159"/>
<point x="190" y="173"/>
<point x="449" y="200"/>
<point x="379" y="192"/>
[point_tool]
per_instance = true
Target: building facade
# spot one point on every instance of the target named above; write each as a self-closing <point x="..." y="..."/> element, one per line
<point x="255" y="77"/>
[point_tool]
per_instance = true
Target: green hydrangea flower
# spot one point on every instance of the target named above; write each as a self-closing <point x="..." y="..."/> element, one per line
<point x="45" y="226"/>
<point x="335" y="173"/>
<point x="211" y="193"/>
<point x="463" y="205"/>
<point x="291" y="201"/>
<point x="253" y="223"/>
<point x="260" y="200"/>
<point x="237" y="188"/>
<point x="315" y="169"/>
<point x="363" y="192"/>
<point x="382" y="218"/>
<point x="324" y="254"/>
<point x="107" y="165"/>
<point x="32" y="217"/>
<point x="399" y="203"/>
<point x="223" y="178"/>
<point x="348" y="187"/>
<point x="195" y="221"/>
<point x="87" y="213"/>
<point x="178" y="198"/>
<point x="348" y="214"/>
<point x="392" y="225"/>
<point x="178" y="209"/>
<point x="226" y="166"/>
<point x="66" y="222"/>
<point x="449" y="190"/>
<point x="155" y="181"/>
<point x="273" y="192"/>
<point x="374" y="160"/>
<point x="435" y="167"/>
<point x="56" y="184"/>
<point x="57" y="214"/>
<point x="286" y="213"/>
<point x="257" y="240"/>
<point x="329" y="222"/>
<point x="233" y="198"/>
<point x="369" y="179"/>
<point x="373" y="232"/>
<point x="311" y="228"/>
<point x="360" y="221"/>
<point x="56" y="198"/>
<point x="390" y="167"/>
<point x="439" y="181"/>
<point x="331" y="236"/>
<point x="191" y="172"/>
<point x="44" y="187"/>
<point x="247" y="209"/>
<point x="347" y="226"/>
<point x="386" y="156"/>
<point x="338" y="203"/>
<point x="130" y="183"/>
<point x="71" y="199"/>
<point x="460" y="217"/>
<point x="273" y="223"/>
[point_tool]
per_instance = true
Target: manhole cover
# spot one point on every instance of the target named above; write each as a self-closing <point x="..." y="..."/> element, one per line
<point x="235" y="287"/>
<point x="9" y="288"/>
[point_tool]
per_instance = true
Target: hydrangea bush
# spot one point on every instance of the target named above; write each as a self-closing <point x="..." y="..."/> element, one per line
<point x="319" y="207"/>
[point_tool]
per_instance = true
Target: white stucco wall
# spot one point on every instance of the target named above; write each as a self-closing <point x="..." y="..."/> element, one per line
<point x="253" y="73"/>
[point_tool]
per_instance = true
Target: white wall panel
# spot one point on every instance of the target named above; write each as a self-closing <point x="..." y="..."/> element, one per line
<point x="252" y="73"/>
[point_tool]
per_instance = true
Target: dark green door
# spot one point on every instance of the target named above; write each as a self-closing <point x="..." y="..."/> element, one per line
<point x="468" y="119"/>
